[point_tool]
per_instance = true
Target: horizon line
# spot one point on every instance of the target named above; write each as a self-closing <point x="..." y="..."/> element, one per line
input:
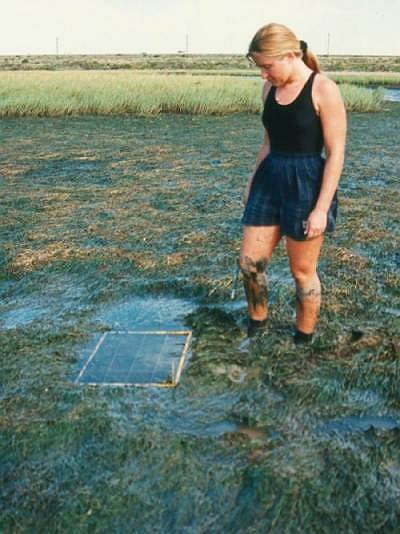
<point x="181" y="54"/>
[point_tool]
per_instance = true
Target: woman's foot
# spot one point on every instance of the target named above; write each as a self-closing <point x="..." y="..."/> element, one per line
<point x="301" y="338"/>
<point x="255" y="327"/>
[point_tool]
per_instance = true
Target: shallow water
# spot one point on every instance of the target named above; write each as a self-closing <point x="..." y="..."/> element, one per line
<point x="392" y="94"/>
<point x="156" y="312"/>
<point x="24" y="306"/>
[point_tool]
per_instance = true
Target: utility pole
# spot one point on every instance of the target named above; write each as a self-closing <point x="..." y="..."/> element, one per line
<point x="57" y="46"/>
<point x="329" y="41"/>
<point x="187" y="44"/>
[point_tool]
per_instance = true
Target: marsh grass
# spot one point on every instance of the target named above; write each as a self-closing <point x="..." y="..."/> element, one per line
<point x="361" y="99"/>
<point x="95" y="209"/>
<point x="39" y="94"/>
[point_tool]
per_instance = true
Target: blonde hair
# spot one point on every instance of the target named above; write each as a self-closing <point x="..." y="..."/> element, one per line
<point x="277" y="40"/>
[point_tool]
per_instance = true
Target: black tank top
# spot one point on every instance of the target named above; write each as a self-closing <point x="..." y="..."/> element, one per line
<point x="294" y="127"/>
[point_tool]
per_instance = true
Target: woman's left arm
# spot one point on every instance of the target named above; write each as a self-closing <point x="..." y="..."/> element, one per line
<point x="334" y="125"/>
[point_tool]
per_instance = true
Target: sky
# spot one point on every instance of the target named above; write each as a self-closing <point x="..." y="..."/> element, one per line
<point x="212" y="26"/>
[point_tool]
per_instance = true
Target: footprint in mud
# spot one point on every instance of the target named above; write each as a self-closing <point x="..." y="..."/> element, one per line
<point x="235" y="373"/>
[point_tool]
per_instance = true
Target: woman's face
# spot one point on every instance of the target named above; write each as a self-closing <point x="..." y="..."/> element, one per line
<point x="273" y="69"/>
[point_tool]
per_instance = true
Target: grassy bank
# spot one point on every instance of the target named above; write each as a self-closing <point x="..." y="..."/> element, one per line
<point x="97" y="209"/>
<point x="113" y="92"/>
<point x="224" y="62"/>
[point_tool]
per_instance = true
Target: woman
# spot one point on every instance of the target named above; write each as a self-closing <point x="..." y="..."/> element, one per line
<point x="292" y="191"/>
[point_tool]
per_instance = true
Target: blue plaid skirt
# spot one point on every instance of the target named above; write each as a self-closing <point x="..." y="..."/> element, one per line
<point x="284" y="191"/>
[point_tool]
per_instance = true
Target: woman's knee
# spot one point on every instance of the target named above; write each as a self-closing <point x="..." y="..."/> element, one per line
<point x="251" y="266"/>
<point x="304" y="275"/>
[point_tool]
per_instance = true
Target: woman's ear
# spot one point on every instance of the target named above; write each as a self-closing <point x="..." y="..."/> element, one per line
<point x="291" y="56"/>
<point x="288" y="57"/>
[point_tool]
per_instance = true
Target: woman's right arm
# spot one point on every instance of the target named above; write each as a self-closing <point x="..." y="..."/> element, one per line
<point x="262" y="153"/>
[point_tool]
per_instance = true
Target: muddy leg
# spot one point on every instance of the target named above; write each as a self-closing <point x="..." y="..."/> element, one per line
<point x="257" y="247"/>
<point x="308" y="303"/>
<point x="255" y="286"/>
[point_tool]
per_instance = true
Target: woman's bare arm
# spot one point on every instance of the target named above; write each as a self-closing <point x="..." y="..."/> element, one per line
<point x="334" y="126"/>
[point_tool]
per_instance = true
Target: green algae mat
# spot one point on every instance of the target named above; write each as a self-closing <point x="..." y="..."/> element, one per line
<point x="126" y="222"/>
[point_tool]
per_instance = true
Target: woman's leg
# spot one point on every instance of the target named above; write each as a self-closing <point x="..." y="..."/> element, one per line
<point x="257" y="246"/>
<point x="303" y="259"/>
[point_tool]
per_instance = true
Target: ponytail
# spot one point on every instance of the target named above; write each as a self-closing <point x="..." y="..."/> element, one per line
<point x="309" y="58"/>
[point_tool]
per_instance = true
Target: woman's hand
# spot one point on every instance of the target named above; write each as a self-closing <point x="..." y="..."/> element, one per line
<point x="316" y="223"/>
